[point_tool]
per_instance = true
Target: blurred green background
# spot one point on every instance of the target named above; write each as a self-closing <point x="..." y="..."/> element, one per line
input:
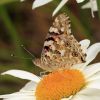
<point x="19" y="24"/>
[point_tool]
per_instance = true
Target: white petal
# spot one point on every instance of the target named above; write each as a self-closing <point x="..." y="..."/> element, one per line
<point x="17" y="94"/>
<point x="85" y="44"/>
<point x="23" y="75"/>
<point x="94" y="77"/>
<point x="28" y="95"/>
<point x="93" y="7"/>
<point x="30" y="86"/>
<point x="87" y="94"/>
<point x="21" y="0"/>
<point x="86" y="6"/>
<point x="85" y="97"/>
<point x="78" y="97"/>
<point x="38" y="3"/>
<point x="79" y="1"/>
<point x="62" y="3"/>
<point x="22" y="98"/>
<point x="92" y="4"/>
<point x="94" y="84"/>
<point x="92" y="52"/>
<point x="91" y="70"/>
<point x="90" y="91"/>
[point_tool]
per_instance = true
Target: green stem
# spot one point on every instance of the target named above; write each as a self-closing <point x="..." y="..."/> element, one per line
<point x="12" y="33"/>
<point x="98" y="4"/>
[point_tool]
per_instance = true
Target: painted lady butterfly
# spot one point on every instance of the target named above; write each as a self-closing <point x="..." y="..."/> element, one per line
<point x="61" y="50"/>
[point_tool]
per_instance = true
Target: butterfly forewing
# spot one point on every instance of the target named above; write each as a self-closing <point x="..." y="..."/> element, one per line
<point x="61" y="50"/>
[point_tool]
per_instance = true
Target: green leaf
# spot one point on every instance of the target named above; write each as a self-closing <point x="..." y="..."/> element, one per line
<point x="6" y="1"/>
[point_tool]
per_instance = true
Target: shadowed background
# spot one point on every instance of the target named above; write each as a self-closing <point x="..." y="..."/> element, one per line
<point x="19" y="24"/>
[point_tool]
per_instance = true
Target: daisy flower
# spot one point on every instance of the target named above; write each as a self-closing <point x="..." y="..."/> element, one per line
<point x="81" y="82"/>
<point x="38" y="3"/>
<point x="92" y="4"/>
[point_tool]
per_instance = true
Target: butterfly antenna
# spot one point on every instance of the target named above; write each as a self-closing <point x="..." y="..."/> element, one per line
<point x="27" y="50"/>
<point x="12" y="55"/>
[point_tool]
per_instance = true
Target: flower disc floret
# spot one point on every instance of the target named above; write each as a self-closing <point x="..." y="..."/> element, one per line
<point x="60" y="84"/>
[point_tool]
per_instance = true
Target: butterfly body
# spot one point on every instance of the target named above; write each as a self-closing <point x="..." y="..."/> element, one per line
<point x="61" y="50"/>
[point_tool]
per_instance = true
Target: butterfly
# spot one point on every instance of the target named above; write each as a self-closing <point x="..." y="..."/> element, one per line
<point x="61" y="50"/>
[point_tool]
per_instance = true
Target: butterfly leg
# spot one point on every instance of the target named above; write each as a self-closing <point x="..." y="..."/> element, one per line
<point x="44" y="73"/>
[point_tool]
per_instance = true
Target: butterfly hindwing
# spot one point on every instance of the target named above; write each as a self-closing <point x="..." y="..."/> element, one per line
<point x="61" y="50"/>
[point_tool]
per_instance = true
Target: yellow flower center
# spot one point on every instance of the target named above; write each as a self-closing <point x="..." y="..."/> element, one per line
<point x="60" y="84"/>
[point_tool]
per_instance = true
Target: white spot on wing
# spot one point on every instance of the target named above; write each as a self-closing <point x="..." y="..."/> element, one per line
<point x="62" y="52"/>
<point x="62" y="29"/>
<point x="47" y="43"/>
<point x="52" y="29"/>
<point x="53" y="47"/>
